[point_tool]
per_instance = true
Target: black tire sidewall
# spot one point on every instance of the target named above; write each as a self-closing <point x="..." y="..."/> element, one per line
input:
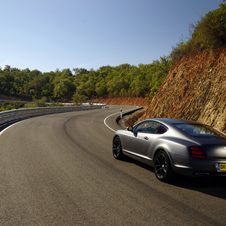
<point x="120" y="155"/>
<point x="169" y="173"/>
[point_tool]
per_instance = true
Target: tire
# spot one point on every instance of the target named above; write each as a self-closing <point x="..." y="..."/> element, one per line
<point x="117" y="148"/>
<point x="162" y="167"/>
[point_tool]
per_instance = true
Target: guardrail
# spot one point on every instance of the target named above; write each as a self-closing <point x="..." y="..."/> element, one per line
<point x="7" y="116"/>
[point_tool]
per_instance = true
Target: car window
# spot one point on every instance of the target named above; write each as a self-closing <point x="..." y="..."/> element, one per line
<point x="149" y="127"/>
<point x="198" y="130"/>
<point x="161" y="129"/>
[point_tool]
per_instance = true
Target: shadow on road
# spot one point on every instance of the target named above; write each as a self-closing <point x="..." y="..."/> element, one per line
<point x="214" y="186"/>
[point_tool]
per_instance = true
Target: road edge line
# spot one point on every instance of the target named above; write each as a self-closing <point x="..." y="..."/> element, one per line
<point x="112" y="115"/>
<point x="8" y="127"/>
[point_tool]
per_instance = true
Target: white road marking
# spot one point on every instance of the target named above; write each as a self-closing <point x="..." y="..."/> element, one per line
<point x="8" y="127"/>
<point x="106" y="120"/>
<point x="112" y="115"/>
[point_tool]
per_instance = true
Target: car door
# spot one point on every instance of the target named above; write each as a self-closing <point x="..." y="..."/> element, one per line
<point x="137" y="141"/>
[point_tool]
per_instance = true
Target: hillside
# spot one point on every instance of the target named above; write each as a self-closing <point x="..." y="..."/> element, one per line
<point x="194" y="89"/>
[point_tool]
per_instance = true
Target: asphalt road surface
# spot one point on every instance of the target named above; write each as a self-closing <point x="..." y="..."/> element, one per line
<point x="59" y="170"/>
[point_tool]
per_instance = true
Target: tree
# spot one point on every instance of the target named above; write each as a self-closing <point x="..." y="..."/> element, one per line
<point x="7" y="68"/>
<point x="78" y="99"/>
<point x="63" y="89"/>
<point x="101" y="88"/>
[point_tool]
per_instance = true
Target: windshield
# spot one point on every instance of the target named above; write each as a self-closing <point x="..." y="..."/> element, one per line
<point x="202" y="131"/>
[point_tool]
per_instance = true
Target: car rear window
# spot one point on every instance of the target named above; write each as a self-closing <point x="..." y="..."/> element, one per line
<point x="199" y="130"/>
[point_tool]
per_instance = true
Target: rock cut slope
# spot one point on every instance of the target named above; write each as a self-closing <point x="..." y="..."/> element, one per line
<point x="194" y="89"/>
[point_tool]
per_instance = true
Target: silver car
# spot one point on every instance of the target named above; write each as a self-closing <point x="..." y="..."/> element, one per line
<point x="173" y="146"/>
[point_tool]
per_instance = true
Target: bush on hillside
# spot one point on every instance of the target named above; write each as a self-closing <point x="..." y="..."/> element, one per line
<point x="78" y="99"/>
<point x="10" y="105"/>
<point x="209" y="33"/>
<point x="37" y="103"/>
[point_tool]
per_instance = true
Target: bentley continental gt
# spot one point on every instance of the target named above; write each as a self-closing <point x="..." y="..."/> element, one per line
<point x="173" y="146"/>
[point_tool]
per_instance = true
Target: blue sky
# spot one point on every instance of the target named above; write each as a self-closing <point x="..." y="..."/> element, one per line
<point x="51" y="34"/>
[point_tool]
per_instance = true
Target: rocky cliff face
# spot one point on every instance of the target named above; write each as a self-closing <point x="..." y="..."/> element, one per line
<point x="194" y="89"/>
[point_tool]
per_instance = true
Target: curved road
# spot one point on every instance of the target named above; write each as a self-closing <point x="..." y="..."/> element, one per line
<point x="59" y="170"/>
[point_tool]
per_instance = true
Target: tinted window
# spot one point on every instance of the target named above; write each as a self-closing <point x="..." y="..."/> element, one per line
<point x="202" y="131"/>
<point x="161" y="129"/>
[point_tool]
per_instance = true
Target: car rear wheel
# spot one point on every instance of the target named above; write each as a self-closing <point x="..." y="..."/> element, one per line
<point x="162" y="167"/>
<point x="117" y="148"/>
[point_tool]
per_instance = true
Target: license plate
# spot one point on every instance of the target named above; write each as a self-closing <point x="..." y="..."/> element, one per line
<point x="221" y="167"/>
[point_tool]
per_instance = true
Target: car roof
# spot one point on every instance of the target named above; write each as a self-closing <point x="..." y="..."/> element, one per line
<point x="171" y="121"/>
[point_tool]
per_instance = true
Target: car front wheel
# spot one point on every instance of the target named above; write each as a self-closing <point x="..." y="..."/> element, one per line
<point x="162" y="167"/>
<point x="117" y="148"/>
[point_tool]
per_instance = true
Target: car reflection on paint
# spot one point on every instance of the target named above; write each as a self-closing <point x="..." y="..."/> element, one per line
<point x="173" y="146"/>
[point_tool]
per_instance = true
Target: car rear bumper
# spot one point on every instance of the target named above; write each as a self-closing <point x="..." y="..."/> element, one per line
<point x="198" y="172"/>
<point x="202" y="167"/>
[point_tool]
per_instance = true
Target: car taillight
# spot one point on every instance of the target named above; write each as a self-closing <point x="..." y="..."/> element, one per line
<point x="197" y="152"/>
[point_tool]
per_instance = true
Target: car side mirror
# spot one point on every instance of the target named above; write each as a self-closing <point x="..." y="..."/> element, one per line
<point x="130" y="128"/>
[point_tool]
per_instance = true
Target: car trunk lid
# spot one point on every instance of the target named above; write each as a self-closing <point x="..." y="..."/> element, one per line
<point x="213" y="147"/>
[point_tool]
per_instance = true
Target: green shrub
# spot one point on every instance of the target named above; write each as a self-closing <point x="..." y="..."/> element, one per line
<point x="209" y="33"/>
<point x="10" y="105"/>
<point x="37" y="103"/>
<point x="182" y="49"/>
<point x="78" y="99"/>
<point x="56" y="104"/>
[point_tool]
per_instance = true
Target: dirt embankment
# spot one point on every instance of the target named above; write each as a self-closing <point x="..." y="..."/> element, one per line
<point x="194" y="89"/>
<point x="130" y="101"/>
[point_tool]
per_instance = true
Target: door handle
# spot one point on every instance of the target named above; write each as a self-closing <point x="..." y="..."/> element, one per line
<point x="146" y="138"/>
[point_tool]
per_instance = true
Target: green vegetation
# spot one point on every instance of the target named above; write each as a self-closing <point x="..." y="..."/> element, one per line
<point x="37" y="103"/>
<point x="209" y="34"/>
<point x="78" y="99"/>
<point x="10" y="105"/>
<point x="123" y="80"/>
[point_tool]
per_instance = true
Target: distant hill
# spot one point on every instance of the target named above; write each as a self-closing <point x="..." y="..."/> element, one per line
<point x="194" y="89"/>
